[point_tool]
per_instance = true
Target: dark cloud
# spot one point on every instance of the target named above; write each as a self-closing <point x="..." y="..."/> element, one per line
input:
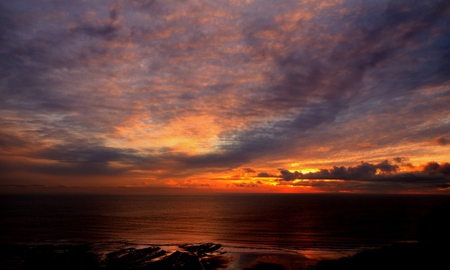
<point x="433" y="174"/>
<point x="288" y="176"/>
<point x="400" y="159"/>
<point x="443" y="186"/>
<point x="248" y="170"/>
<point x="81" y="159"/>
<point x="246" y="185"/>
<point x="9" y="141"/>
<point x="107" y="30"/>
<point x="442" y="141"/>
<point x="36" y="170"/>
<point x="264" y="174"/>
<point x="226" y="160"/>
<point x="434" y="167"/>
<point x="85" y="153"/>
<point x="404" y="161"/>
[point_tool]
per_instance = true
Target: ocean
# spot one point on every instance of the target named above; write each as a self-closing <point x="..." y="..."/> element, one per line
<point x="289" y="222"/>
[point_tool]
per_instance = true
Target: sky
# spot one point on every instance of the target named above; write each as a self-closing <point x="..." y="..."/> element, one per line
<point x="226" y="95"/>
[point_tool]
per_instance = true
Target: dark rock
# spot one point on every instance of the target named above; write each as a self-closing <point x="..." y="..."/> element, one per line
<point x="133" y="258"/>
<point x="201" y="249"/>
<point x="214" y="262"/>
<point x="208" y="255"/>
<point x="177" y="260"/>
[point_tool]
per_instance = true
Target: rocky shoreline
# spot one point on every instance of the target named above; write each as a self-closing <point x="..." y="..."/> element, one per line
<point x="82" y="256"/>
<point x="92" y="256"/>
<point x="196" y="256"/>
<point x="207" y="256"/>
<point x="431" y="251"/>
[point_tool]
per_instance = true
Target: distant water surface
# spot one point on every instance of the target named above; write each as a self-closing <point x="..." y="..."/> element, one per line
<point x="282" y="221"/>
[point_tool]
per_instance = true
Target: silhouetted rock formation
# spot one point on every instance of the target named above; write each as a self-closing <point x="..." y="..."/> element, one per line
<point x="177" y="260"/>
<point x="197" y="256"/>
<point x="201" y="249"/>
<point x="77" y="257"/>
<point x="132" y="258"/>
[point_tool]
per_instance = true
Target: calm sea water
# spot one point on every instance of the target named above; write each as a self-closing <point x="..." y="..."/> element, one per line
<point x="256" y="221"/>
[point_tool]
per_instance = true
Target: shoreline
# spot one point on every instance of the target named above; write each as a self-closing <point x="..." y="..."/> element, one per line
<point x="124" y="255"/>
<point x="210" y="256"/>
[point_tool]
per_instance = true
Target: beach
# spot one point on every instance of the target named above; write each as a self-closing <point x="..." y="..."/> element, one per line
<point x="317" y="232"/>
<point x="129" y="256"/>
<point x="208" y="256"/>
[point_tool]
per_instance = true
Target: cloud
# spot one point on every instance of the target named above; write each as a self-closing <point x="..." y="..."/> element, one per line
<point x="404" y="161"/>
<point x="11" y="141"/>
<point x="443" y="186"/>
<point x="84" y="153"/>
<point x="106" y="30"/>
<point x="300" y="83"/>
<point x="434" y="167"/>
<point x="363" y="171"/>
<point x="400" y="159"/>
<point x="248" y="170"/>
<point x="442" y="141"/>
<point x="246" y="185"/>
<point x="432" y="173"/>
<point x="175" y="88"/>
<point x="288" y="176"/>
<point x="264" y="174"/>
<point x="16" y="168"/>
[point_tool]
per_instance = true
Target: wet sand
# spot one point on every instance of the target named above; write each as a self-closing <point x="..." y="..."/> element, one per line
<point x="208" y="256"/>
